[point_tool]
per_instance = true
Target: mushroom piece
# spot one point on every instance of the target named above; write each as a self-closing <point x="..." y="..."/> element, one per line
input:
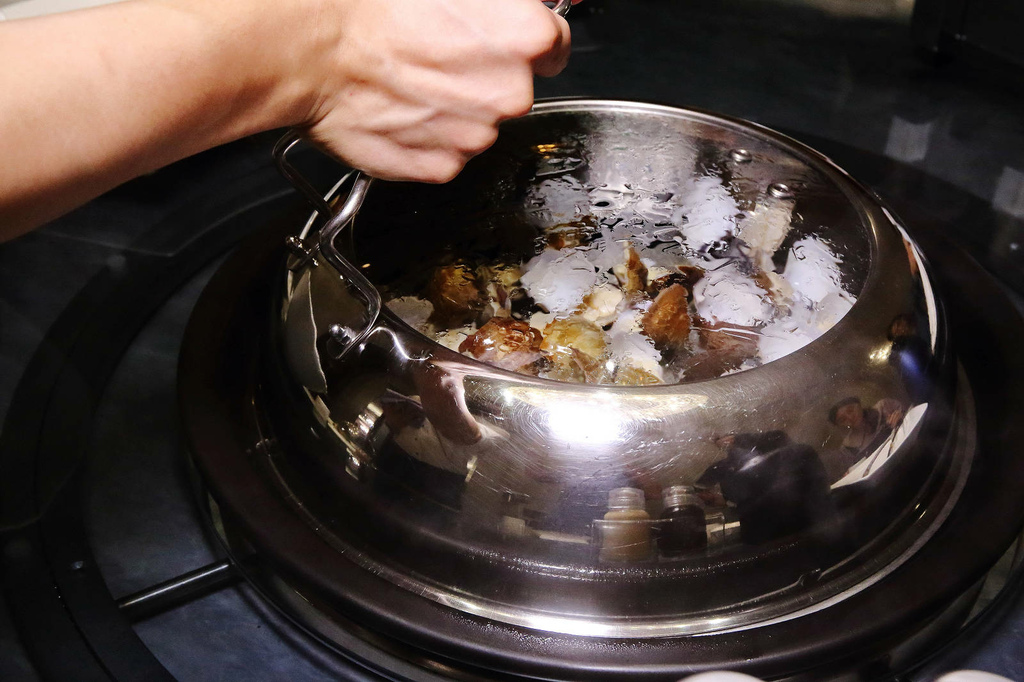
<point x="632" y="274"/>
<point x="577" y="367"/>
<point x="571" y="234"/>
<point x="687" y="275"/>
<point x="504" y="342"/>
<point x="573" y="332"/>
<point x="628" y="375"/>
<point x="505" y="275"/>
<point x="502" y="288"/>
<point x="601" y="305"/>
<point x="575" y="347"/>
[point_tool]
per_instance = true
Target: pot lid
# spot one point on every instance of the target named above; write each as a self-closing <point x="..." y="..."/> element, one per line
<point x="532" y="499"/>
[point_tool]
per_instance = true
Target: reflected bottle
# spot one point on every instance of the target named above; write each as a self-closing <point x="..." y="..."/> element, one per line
<point x="683" y="528"/>
<point x="626" y="528"/>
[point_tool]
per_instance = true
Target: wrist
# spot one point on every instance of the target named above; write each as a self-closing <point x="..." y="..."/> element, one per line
<point x="265" y="54"/>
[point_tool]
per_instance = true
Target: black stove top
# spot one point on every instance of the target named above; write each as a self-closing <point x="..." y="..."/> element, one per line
<point x="93" y="307"/>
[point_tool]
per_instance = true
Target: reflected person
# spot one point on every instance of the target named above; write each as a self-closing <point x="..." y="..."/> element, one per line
<point x="779" y="487"/>
<point x="867" y="427"/>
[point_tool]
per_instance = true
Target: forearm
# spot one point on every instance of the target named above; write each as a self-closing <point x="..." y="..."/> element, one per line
<point x="403" y="89"/>
<point x="138" y="85"/>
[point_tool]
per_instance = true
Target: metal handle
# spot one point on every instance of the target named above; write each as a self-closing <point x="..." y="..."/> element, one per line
<point x="561" y="8"/>
<point x="336" y="221"/>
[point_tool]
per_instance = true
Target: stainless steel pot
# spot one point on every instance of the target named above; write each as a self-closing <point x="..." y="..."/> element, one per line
<point x="488" y="491"/>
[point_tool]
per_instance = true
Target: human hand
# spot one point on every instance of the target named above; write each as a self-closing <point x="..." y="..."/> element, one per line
<point x="403" y="89"/>
<point x="412" y="89"/>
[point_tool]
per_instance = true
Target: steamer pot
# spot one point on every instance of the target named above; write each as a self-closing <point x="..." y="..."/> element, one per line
<point x="487" y="492"/>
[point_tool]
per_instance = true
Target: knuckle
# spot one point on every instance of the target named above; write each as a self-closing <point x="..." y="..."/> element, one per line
<point x="478" y="139"/>
<point x="535" y="34"/>
<point x="441" y="168"/>
<point x="543" y="35"/>
<point x="548" y="39"/>
<point x="516" y="101"/>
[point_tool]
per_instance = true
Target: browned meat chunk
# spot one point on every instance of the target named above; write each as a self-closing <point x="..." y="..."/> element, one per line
<point x="727" y="346"/>
<point x="728" y="339"/>
<point x="455" y="294"/>
<point x="667" y="322"/>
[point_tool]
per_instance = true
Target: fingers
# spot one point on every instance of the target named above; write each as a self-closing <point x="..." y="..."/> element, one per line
<point x="387" y="160"/>
<point x="553" y="59"/>
<point x="415" y="88"/>
<point x="552" y="46"/>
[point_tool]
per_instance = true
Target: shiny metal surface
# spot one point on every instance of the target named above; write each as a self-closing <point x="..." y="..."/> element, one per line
<point x="487" y="491"/>
<point x="562" y="7"/>
<point x="182" y="588"/>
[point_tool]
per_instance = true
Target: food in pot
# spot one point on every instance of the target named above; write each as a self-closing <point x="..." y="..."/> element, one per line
<point x="645" y="289"/>
<point x="456" y="295"/>
<point x="632" y="275"/>
<point x="575" y="348"/>
<point x="505" y="342"/>
<point x="667" y="321"/>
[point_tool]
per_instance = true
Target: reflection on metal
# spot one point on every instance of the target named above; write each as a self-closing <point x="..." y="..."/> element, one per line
<point x="881" y="354"/>
<point x="300" y="338"/>
<point x="740" y="156"/>
<point x="176" y="591"/>
<point x="919" y="269"/>
<point x="631" y="404"/>
<point x="1009" y="194"/>
<point x="908" y="141"/>
<point x="584" y="422"/>
<point x="483" y="490"/>
<point x="780" y="190"/>
<point x="873" y="463"/>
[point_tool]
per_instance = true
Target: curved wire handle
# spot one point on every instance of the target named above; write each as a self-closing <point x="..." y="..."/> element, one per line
<point x="561" y="8"/>
<point x="336" y="220"/>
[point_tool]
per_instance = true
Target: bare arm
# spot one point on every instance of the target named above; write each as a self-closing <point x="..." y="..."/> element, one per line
<point x="404" y="89"/>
